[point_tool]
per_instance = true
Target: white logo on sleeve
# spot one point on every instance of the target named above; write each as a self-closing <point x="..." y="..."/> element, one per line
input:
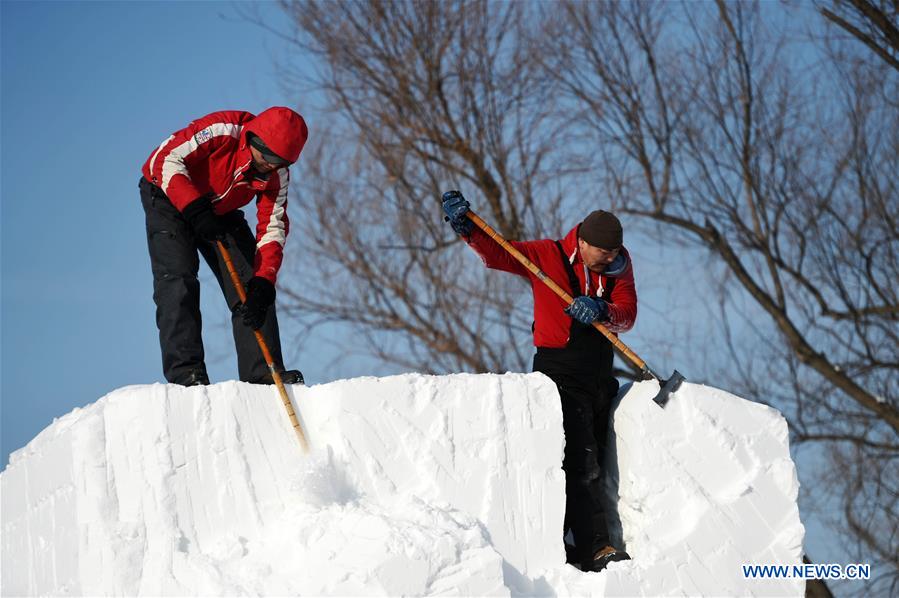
<point x="203" y="136"/>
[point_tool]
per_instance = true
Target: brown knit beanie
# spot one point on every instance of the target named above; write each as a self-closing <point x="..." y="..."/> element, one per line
<point x="601" y="229"/>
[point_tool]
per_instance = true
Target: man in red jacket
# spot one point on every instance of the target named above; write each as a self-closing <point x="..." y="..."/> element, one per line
<point x="192" y="189"/>
<point x="596" y="269"/>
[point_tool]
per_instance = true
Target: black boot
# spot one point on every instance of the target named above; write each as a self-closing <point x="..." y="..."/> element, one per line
<point x="287" y="377"/>
<point x="607" y="555"/>
<point x="194" y="378"/>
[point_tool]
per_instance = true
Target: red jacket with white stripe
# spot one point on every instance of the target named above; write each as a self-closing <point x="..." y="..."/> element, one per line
<point x="551" y="324"/>
<point x="211" y="155"/>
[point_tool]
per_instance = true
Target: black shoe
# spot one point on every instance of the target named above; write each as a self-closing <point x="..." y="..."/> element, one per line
<point x="287" y="377"/>
<point x="195" y="378"/>
<point x="607" y="555"/>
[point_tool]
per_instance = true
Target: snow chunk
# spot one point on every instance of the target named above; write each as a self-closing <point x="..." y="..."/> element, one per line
<point x="416" y="485"/>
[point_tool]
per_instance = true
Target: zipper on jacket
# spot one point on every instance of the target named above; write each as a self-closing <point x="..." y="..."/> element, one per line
<point x="235" y="181"/>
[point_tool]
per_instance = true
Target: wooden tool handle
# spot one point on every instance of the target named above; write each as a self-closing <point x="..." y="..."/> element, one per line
<point x="266" y="354"/>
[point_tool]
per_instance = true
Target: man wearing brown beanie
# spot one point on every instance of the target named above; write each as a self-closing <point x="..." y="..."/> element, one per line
<point x="591" y="263"/>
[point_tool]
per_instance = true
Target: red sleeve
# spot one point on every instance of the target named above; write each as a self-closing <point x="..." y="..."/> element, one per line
<point x="272" y="226"/>
<point x="623" y="302"/>
<point x="185" y="150"/>
<point x="497" y="258"/>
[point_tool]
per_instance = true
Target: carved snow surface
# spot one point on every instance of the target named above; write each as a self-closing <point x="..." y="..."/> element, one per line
<point x="416" y="485"/>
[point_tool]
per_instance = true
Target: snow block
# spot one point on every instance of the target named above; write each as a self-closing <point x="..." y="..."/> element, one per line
<point x="416" y="485"/>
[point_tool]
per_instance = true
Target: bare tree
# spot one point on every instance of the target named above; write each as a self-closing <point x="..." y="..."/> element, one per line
<point x="426" y="97"/>
<point x="773" y="154"/>
<point x="875" y="24"/>
<point x="714" y="124"/>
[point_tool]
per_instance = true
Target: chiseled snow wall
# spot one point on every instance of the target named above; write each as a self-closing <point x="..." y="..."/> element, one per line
<point x="416" y="485"/>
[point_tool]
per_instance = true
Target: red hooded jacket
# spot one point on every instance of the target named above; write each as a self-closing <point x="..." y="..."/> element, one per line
<point x="551" y="324"/>
<point x="211" y="155"/>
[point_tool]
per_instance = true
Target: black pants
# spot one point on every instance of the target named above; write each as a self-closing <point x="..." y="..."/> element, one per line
<point x="583" y="374"/>
<point x="176" y="290"/>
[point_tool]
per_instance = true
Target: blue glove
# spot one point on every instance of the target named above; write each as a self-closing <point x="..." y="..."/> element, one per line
<point x="456" y="207"/>
<point x="587" y="310"/>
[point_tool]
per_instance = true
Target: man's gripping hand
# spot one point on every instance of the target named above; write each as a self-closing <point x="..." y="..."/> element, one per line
<point x="455" y="206"/>
<point x="206" y="224"/>
<point x="587" y="310"/>
<point x="260" y="297"/>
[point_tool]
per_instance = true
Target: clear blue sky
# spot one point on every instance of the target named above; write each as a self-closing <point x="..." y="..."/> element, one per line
<point x="88" y="90"/>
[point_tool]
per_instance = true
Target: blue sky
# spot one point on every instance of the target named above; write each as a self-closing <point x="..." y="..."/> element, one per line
<point x="88" y="90"/>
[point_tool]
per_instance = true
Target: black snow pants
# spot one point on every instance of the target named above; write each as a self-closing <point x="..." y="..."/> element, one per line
<point x="586" y="396"/>
<point x="582" y="371"/>
<point x="176" y="290"/>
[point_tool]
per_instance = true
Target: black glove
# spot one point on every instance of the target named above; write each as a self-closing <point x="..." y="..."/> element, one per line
<point x="587" y="310"/>
<point x="260" y="296"/>
<point x="207" y="226"/>
<point x="456" y="207"/>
